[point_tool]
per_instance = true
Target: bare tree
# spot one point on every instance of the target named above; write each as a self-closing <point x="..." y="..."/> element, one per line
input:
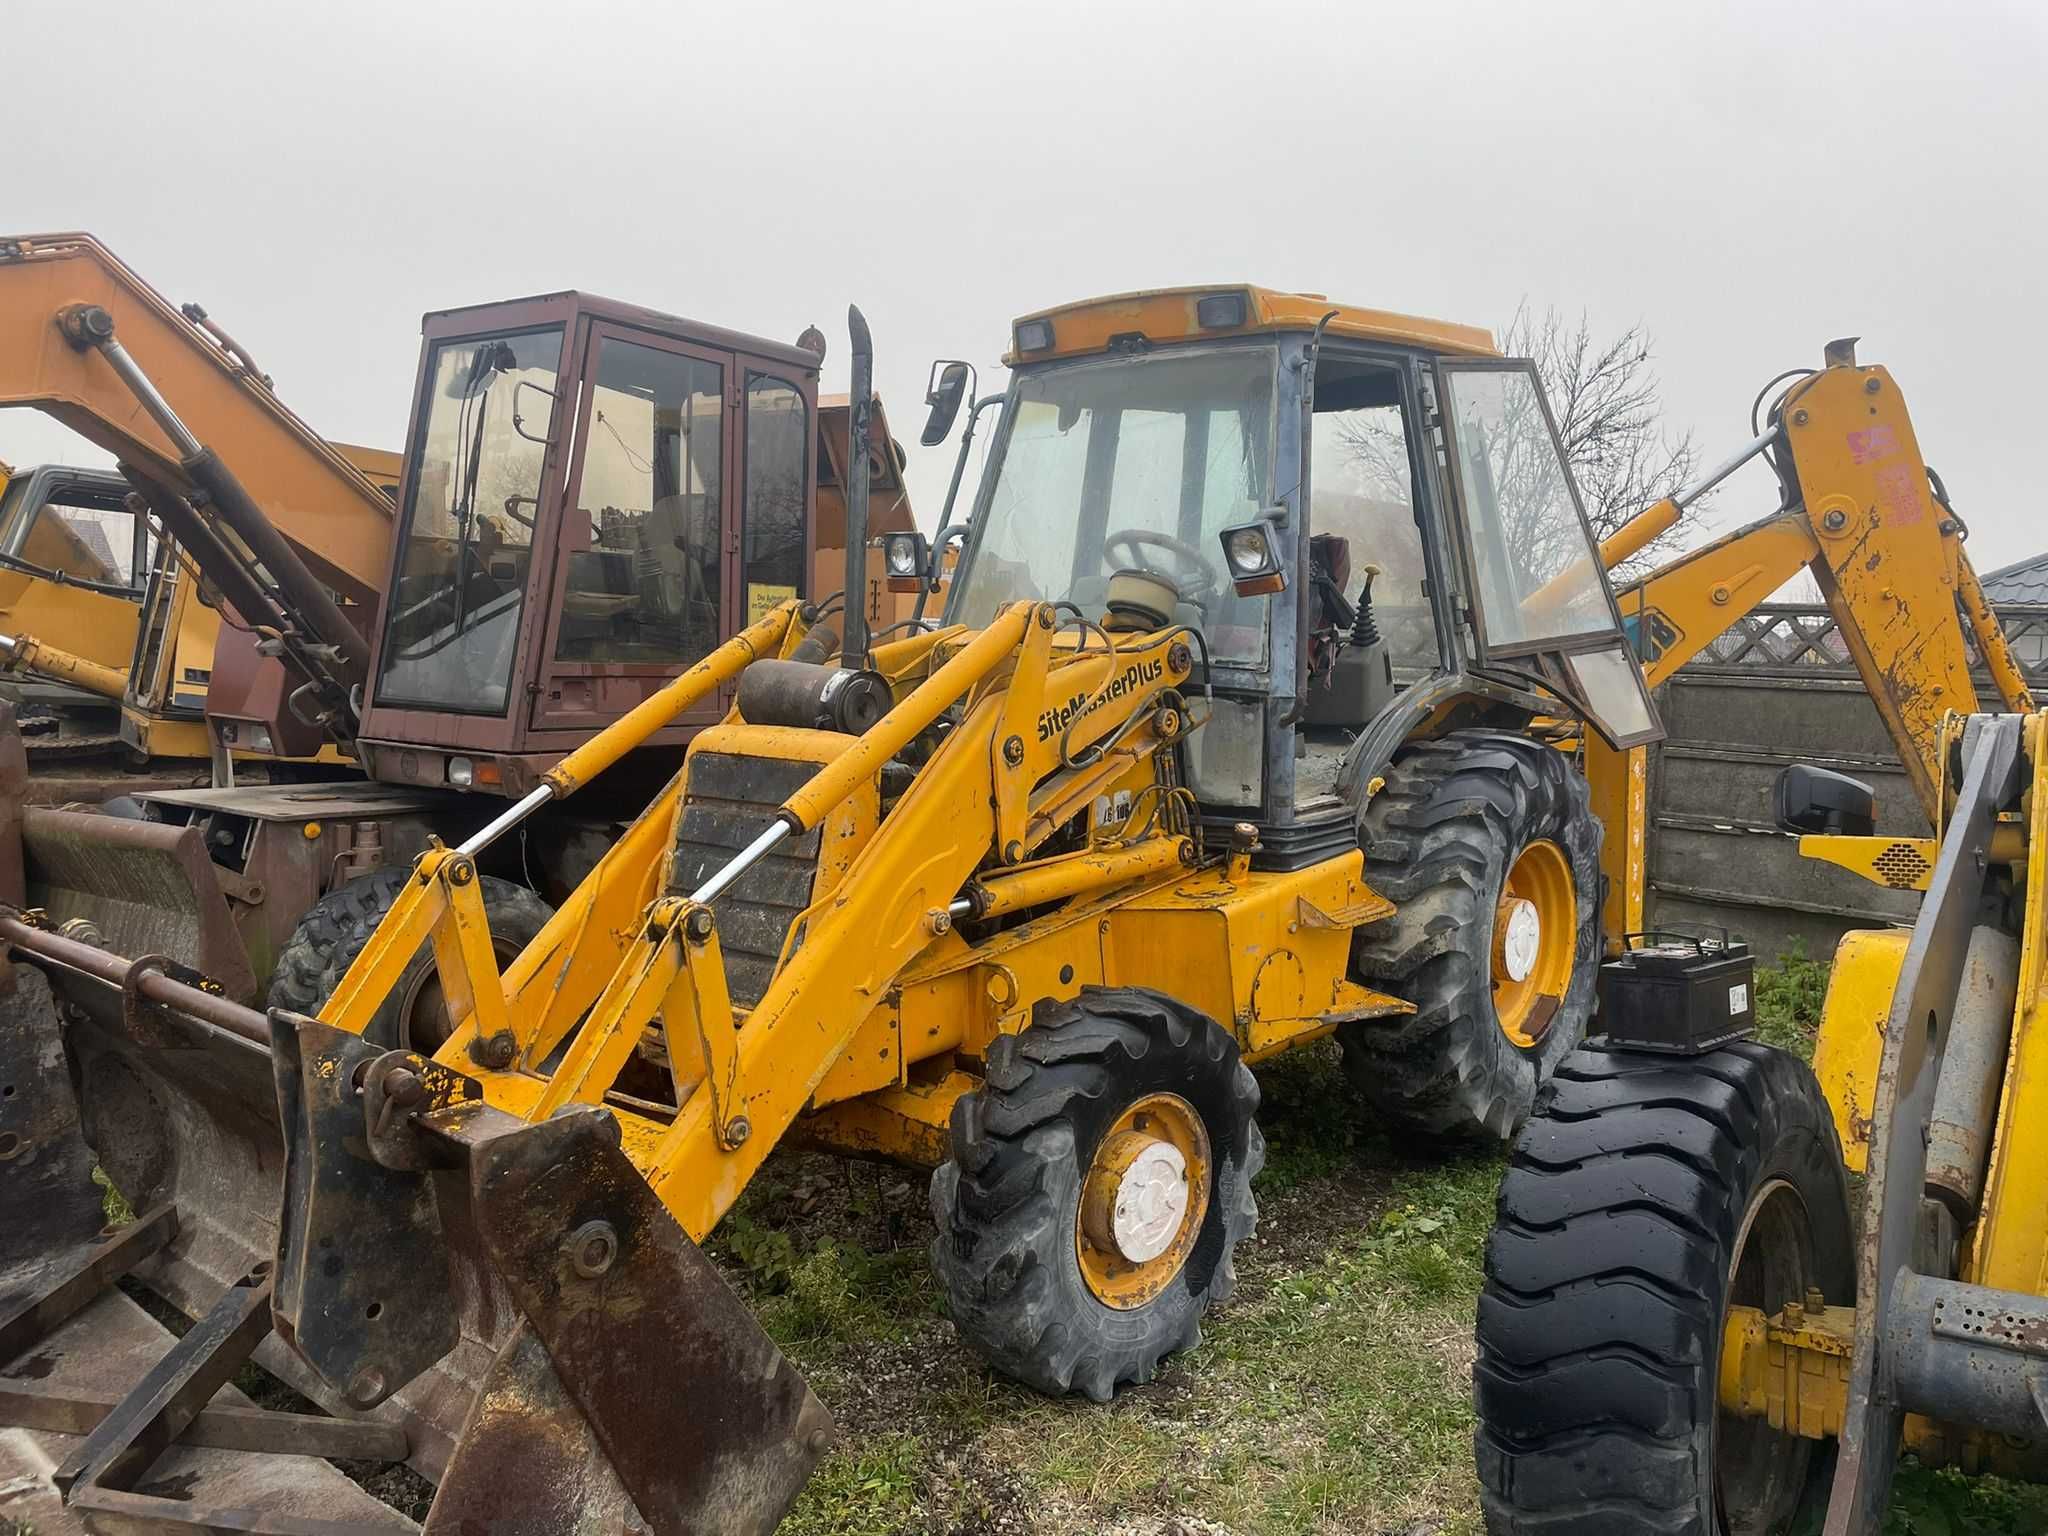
<point x="1608" y="403"/>
<point x="1610" y="414"/>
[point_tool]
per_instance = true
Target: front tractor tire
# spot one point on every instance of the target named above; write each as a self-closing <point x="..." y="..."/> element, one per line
<point x="1646" y="1196"/>
<point x="1487" y="845"/>
<point x="1099" y="1184"/>
<point x="337" y="926"/>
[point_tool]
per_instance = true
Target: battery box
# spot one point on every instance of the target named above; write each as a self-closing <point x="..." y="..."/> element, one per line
<point x="1677" y="994"/>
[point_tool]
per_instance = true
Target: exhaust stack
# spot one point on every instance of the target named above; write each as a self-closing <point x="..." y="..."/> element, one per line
<point x="860" y="406"/>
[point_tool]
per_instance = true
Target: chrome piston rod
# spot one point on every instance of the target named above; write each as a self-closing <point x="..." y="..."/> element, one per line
<point x="740" y="863"/>
<point x="1727" y="467"/>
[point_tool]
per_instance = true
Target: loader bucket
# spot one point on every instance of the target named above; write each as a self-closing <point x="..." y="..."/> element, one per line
<point x="505" y="1306"/>
<point x="144" y="887"/>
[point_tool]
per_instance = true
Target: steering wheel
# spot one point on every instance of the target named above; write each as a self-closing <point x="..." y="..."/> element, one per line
<point x="1194" y="564"/>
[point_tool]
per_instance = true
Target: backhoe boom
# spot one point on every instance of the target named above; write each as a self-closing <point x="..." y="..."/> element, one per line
<point x="1862" y="515"/>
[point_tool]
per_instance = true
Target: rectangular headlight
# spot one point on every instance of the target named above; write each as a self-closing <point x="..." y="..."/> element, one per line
<point x="1220" y="311"/>
<point x="904" y="558"/>
<point x="461" y="772"/>
<point x="259" y="739"/>
<point x="1252" y="560"/>
<point x="1034" y="335"/>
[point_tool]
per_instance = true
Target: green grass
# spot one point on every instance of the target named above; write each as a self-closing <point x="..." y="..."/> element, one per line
<point x="1946" y="1503"/>
<point x="1331" y="1394"/>
<point x="870" y="1490"/>
<point x="1789" y="996"/>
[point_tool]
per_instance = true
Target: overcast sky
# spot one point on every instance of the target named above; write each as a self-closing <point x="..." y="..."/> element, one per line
<point x="1747" y="180"/>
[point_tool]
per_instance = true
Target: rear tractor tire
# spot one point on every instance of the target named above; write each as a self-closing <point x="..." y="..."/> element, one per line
<point x="1099" y="1184"/>
<point x="1646" y="1195"/>
<point x="337" y="926"/>
<point x="1487" y="845"/>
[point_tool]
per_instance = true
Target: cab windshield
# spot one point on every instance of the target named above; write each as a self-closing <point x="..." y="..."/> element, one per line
<point x="1132" y="462"/>
<point x="453" y="618"/>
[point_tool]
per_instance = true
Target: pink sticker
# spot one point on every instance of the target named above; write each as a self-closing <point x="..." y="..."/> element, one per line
<point x="1876" y="442"/>
<point x="1901" y="494"/>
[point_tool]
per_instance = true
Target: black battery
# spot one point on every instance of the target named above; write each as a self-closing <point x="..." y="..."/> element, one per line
<point x="1678" y="993"/>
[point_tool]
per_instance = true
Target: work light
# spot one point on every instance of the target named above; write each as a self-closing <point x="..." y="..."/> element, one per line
<point x="903" y="560"/>
<point x="1253" y="562"/>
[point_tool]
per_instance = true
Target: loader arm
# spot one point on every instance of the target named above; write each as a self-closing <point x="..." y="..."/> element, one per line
<point x="85" y="340"/>
<point x="1861" y="515"/>
<point x="1002" y="783"/>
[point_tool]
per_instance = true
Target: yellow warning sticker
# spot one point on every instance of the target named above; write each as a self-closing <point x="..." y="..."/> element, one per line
<point x="762" y="598"/>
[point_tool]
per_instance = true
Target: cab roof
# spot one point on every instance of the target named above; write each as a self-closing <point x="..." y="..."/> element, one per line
<point x="1175" y="314"/>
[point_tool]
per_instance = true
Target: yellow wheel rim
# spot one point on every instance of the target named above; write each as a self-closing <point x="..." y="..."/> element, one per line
<point x="1535" y="935"/>
<point x="1142" y="1201"/>
<point x="1760" y="1472"/>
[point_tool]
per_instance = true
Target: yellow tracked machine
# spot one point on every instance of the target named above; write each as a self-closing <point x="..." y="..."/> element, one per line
<point x="1018" y="894"/>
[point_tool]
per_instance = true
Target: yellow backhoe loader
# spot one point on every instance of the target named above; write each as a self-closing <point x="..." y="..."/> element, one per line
<point x="1695" y="1320"/>
<point x="1018" y="895"/>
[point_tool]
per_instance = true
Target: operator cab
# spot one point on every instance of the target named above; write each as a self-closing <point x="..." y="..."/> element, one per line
<point x="595" y="497"/>
<point x="1366" y="518"/>
<point x="73" y="526"/>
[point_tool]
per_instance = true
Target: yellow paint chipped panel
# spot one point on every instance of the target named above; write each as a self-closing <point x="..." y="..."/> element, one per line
<point x="1860" y="987"/>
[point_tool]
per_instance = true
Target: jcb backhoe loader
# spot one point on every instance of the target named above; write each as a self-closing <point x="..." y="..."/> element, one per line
<point x="595" y="494"/>
<point x="1685" y="1328"/>
<point x="1019" y="897"/>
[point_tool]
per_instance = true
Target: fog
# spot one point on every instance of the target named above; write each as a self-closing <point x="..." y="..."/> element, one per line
<point x="1748" y="180"/>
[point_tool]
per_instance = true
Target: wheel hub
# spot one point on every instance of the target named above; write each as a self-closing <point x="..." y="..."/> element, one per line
<point x="1535" y="932"/>
<point x="1137" y="1211"/>
<point x="1143" y="1199"/>
<point x="1521" y="937"/>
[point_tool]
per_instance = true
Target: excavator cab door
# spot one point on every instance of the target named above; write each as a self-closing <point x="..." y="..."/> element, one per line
<point x="641" y="572"/>
<point x="685" y="517"/>
<point x="1540" y="600"/>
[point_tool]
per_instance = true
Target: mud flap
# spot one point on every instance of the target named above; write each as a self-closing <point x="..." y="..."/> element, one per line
<point x="627" y="1364"/>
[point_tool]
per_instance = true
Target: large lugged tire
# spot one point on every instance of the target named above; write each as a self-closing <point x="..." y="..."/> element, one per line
<point x="1645" y="1196"/>
<point x="335" y="928"/>
<point x="1471" y="836"/>
<point x="1056" y="1163"/>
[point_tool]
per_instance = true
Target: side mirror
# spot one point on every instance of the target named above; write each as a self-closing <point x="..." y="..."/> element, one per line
<point x="943" y="393"/>
<point x="1810" y="799"/>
